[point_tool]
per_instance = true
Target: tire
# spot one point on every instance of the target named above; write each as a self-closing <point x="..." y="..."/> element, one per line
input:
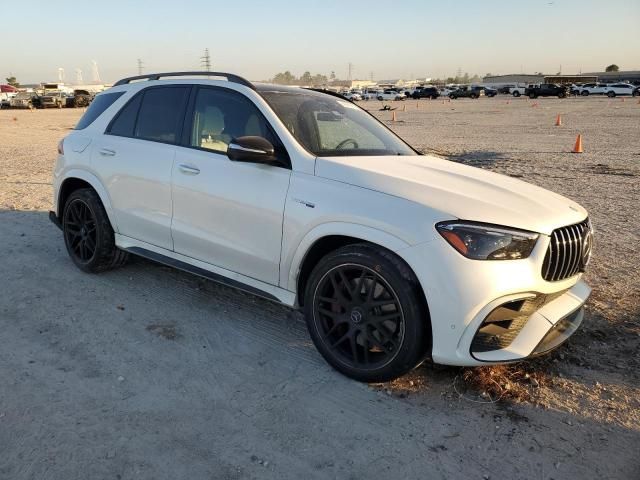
<point x="611" y="94"/>
<point x="562" y="95"/>
<point x="380" y="99"/>
<point x="374" y="343"/>
<point x="452" y="96"/>
<point x="516" y="94"/>
<point x="88" y="235"/>
<point x="473" y="96"/>
<point x="532" y="96"/>
<point x="584" y="93"/>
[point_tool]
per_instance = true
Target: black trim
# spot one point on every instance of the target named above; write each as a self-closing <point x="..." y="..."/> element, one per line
<point x="180" y="265"/>
<point x="157" y="76"/>
<point x="55" y="220"/>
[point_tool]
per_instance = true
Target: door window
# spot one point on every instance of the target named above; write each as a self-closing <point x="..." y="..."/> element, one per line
<point x="221" y="115"/>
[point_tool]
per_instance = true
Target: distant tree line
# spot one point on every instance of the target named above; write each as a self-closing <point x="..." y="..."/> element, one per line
<point x="13" y="82"/>
<point x="287" y="78"/>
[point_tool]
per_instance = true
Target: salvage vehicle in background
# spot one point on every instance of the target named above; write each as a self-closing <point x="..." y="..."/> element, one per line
<point x="489" y="92"/>
<point x="53" y="99"/>
<point x="390" y="95"/>
<point x="304" y="198"/>
<point x="592" y="89"/>
<point x="80" y="98"/>
<point x="620" y="89"/>
<point x="546" y="90"/>
<point x="467" y="91"/>
<point x="23" y="100"/>
<point x="425" y="92"/>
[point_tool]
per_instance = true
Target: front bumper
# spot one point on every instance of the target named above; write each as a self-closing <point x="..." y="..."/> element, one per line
<point x="461" y="293"/>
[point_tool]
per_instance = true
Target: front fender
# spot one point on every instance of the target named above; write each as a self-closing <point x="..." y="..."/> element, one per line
<point x="289" y="274"/>
<point x="95" y="183"/>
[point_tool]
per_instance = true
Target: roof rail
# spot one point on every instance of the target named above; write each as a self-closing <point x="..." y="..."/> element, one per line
<point x="157" y="76"/>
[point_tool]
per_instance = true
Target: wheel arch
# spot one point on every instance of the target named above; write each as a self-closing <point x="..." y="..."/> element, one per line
<point x="75" y="179"/>
<point x="329" y="237"/>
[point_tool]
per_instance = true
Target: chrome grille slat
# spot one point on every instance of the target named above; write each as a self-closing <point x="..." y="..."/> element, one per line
<point x="576" y="262"/>
<point x="564" y="254"/>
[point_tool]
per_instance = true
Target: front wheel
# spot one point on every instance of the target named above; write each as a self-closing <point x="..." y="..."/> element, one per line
<point x="532" y="96"/>
<point x="366" y="314"/>
<point x="88" y="235"/>
<point x="611" y="94"/>
<point x="584" y="93"/>
<point x="516" y="94"/>
<point x="561" y="95"/>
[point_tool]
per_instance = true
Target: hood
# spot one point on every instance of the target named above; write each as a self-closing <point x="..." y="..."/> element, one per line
<point x="458" y="190"/>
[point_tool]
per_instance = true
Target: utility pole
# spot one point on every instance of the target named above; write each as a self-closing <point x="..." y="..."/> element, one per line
<point x="140" y="65"/>
<point x="350" y="71"/>
<point x="205" y="60"/>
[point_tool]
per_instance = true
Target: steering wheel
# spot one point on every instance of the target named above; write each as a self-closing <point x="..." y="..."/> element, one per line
<point x="345" y="142"/>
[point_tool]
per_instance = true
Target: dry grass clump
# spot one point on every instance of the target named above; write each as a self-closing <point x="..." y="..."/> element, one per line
<point x="517" y="382"/>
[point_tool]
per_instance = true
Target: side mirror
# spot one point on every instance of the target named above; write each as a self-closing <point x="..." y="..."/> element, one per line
<point x="251" y="149"/>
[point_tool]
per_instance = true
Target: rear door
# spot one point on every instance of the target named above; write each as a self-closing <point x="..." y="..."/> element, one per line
<point x="135" y="160"/>
<point x="228" y="213"/>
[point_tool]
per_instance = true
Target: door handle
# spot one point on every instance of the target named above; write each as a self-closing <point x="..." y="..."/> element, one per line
<point x="107" y="152"/>
<point x="189" y="170"/>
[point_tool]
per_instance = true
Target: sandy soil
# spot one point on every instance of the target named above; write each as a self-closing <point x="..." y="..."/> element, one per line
<point x="147" y="372"/>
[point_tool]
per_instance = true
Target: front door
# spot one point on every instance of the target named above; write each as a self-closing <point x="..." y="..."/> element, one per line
<point x="228" y="213"/>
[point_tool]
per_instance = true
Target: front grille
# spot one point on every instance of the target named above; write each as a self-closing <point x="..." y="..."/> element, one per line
<point x="568" y="252"/>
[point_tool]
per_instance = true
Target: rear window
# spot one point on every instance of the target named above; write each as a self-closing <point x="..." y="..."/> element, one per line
<point x="97" y="107"/>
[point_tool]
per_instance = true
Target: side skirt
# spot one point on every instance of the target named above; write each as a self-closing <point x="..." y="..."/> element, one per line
<point x="205" y="270"/>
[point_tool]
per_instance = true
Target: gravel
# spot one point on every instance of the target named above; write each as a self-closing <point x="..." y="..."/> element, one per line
<point x="146" y="372"/>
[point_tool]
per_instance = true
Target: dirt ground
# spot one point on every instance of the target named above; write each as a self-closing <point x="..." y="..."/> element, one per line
<point x="146" y="372"/>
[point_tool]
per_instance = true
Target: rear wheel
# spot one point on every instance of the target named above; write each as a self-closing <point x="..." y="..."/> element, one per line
<point x="561" y="95"/>
<point x="532" y="96"/>
<point x="584" y="93"/>
<point x="88" y="235"/>
<point x="611" y="94"/>
<point x="516" y="94"/>
<point x="365" y="313"/>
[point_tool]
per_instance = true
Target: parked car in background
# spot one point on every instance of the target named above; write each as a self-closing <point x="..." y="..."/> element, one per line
<point x="592" y="89"/>
<point x="390" y="95"/>
<point x="426" y="92"/>
<point x="619" y="89"/>
<point x="354" y="97"/>
<point x="22" y="100"/>
<point x="506" y="89"/>
<point x="518" y="90"/>
<point x="490" y="92"/>
<point x="370" y="94"/>
<point x="55" y="99"/>
<point x="467" y="91"/>
<point x="445" y="91"/>
<point x="306" y="199"/>
<point x="546" y="90"/>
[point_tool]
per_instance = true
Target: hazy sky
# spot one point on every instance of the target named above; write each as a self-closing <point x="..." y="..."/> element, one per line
<point x="392" y="39"/>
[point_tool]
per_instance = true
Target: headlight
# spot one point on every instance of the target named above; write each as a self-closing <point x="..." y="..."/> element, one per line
<point x="487" y="242"/>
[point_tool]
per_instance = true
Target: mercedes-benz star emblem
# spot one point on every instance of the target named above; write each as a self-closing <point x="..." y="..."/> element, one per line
<point x="356" y="316"/>
<point x="587" y="246"/>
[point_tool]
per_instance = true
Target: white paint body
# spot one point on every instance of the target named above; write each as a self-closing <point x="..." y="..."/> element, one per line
<point x="255" y="223"/>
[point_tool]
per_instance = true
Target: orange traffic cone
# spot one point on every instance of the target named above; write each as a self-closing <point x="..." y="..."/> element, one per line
<point x="558" y="121"/>
<point x="578" y="146"/>
<point x="393" y="117"/>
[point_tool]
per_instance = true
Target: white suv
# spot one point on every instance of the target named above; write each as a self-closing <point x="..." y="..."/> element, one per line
<point x="304" y="198"/>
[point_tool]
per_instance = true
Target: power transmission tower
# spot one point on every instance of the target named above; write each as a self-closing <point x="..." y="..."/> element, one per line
<point x="95" y="74"/>
<point x="205" y="60"/>
<point x="79" y="79"/>
<point x="140" y="65"/>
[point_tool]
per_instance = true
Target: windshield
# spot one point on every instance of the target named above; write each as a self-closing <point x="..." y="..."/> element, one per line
<point x="330" y="127"/>
<point x="23" y="95"/>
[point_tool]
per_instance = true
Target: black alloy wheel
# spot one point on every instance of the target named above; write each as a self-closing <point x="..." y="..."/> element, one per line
<point x="88" y="235"/>
<point x="80" y="231"/>
<point x="359" y="316"/>
<point x="366" y="314"/>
